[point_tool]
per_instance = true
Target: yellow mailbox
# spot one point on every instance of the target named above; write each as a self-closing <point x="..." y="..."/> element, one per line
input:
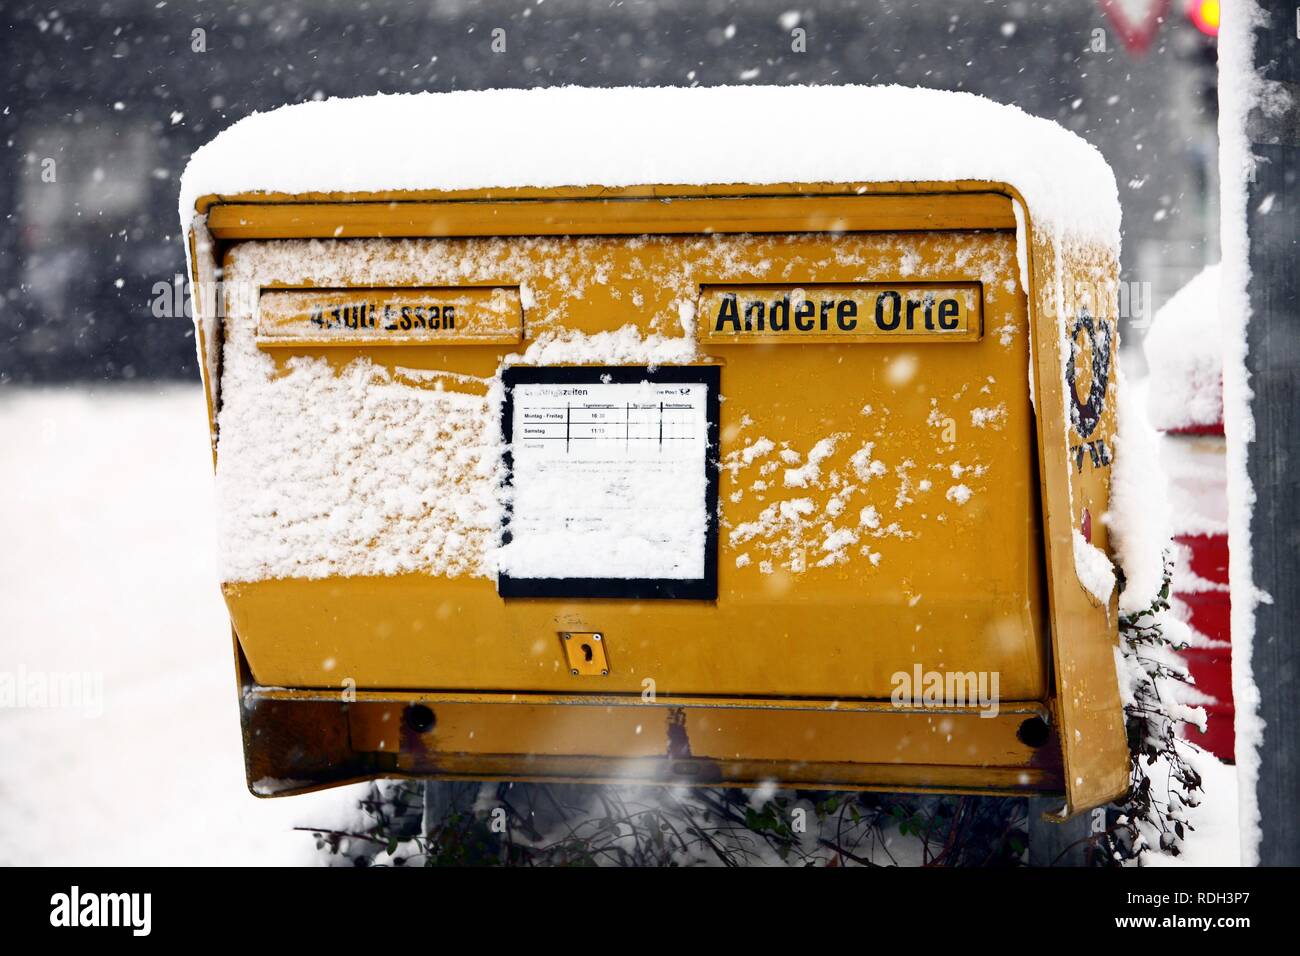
<point x="691" y="436"/>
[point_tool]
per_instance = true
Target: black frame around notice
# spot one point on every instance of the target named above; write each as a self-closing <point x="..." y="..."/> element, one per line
<point x="696" y="589"/>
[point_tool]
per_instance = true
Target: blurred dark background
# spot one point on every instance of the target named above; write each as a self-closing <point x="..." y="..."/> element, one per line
<point x="104" y="102"/>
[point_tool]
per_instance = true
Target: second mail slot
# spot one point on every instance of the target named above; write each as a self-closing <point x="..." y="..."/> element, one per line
<point x="857" y="312"/>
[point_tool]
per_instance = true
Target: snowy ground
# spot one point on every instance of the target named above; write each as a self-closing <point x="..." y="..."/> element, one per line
<point x="107" y="569"/>
<point x="1216" y="840"/>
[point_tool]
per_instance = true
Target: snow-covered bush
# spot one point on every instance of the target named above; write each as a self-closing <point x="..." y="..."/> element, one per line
<point x="1164" y="783"/>
<point x="1154" y="683"/>
<point x="530" y="824"/>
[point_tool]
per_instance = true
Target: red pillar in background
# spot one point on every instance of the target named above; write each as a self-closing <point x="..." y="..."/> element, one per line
<point x="1195" y="459"/>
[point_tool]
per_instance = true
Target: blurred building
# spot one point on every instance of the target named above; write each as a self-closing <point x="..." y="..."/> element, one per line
<point x="103" y="104"/>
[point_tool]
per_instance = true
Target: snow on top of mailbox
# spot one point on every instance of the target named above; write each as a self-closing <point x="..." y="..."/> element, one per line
<point x="572" y="136"/>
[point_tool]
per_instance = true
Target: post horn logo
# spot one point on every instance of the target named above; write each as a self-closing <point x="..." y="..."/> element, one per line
<point x="1085" y="411"/>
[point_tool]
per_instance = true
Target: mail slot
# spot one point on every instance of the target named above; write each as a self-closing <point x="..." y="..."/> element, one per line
<point x="858" y="312"/>
<point x="404" y="316"/>
<point x="720" y="483"/>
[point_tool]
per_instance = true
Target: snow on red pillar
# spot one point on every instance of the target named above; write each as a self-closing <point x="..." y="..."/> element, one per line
<point x="1185" y="401"/>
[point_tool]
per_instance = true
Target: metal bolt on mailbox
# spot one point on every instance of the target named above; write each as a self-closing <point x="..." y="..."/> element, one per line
<point x="743" y="459"/>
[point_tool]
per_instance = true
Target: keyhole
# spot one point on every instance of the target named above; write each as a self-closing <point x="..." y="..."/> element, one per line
<point x="586" y="652"/>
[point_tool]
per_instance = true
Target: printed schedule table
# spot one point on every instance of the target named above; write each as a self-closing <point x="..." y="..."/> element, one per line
<point x="616" y="422"/>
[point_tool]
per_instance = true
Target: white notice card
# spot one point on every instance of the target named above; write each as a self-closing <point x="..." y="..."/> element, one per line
<point x="609" y="481"/>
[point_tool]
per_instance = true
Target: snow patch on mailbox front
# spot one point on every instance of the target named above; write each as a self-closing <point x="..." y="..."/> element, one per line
<point x="362" y="470"/>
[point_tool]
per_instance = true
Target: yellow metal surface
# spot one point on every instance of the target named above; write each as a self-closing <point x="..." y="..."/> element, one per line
<point x="1065" y="282"/>
<point x="945" y="511"/>
<point x="599" y="211"/>
<point x="677" y="740"/>
<point x="932" y="576"/>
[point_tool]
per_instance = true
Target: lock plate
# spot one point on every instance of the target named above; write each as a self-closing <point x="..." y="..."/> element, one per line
<point x="584" y="652"/>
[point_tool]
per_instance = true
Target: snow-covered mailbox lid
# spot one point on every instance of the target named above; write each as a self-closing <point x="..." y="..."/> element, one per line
<point x="713" y="436"/>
